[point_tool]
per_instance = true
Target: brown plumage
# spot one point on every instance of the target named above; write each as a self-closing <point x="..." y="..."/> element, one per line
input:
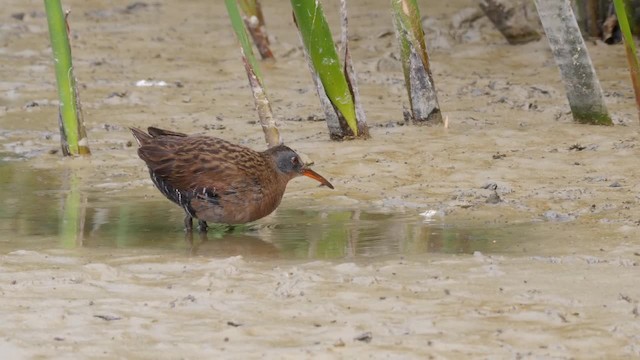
<point x="216" y="181"/>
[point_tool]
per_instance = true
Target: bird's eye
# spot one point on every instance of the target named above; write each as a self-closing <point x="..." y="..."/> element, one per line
<point x="295" y="161"/>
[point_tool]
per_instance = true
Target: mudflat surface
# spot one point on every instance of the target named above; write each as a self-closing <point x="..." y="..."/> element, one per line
<point x="510" y="155"/>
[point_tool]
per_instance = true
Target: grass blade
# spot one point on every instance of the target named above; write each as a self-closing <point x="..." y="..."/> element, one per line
<point x="241" y="33"/>
<point x="72" y="130"/>
<point x="318" y="43"/>
<point x="263" y="106"/>
<point x="629" y="44"/>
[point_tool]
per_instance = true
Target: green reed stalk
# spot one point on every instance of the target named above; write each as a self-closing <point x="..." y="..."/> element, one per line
<point x="327" y="68"/>
<point x="630" y="46"/>
<point x="263" y="106"/>
<point x="72" y="130"/>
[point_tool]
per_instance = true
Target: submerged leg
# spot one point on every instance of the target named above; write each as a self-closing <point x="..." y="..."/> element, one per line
<point x="188" y="238"/>
<point x="188" y="223"/>
<point x="202" y="225"/>
<point x="192" y="246"/>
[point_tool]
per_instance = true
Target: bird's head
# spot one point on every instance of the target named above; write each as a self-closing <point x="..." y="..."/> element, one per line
<point x="290" y="164"/>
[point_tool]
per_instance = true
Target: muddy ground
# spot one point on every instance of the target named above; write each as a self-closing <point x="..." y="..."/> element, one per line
<point x="575" y="296"/>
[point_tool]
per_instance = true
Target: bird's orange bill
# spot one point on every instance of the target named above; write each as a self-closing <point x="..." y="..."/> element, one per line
<point x="314" y="175"/>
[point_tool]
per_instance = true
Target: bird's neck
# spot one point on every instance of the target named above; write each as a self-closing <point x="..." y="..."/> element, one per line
<point x="273" y="190"/>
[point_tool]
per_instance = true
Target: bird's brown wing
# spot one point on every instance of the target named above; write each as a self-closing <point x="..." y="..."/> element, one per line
<point x="199" y="161"/>
<point x="204" y="172"/>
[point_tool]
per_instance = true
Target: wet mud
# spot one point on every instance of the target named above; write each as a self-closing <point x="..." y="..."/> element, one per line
<point x="554" y="277"/>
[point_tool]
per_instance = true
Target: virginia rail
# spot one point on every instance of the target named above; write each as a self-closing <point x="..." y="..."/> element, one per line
<point x="216" y="181"/>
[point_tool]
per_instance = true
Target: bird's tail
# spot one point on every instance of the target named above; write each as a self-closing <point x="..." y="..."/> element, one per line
<point x="144" y="138"/>
<point x="141" y="136"/>
<point x="155" y="132"/>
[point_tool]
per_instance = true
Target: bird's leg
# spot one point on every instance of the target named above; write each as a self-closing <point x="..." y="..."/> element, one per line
<point x="202" y="225"/>
<point x="188" y="223"/>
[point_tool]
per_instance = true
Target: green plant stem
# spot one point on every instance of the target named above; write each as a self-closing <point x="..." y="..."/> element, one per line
<point x="630" y="47"/>
<point x="254" y="20"/>
<point x="241" y="34"/>
<point x="73" y="133"/>
<point x="318" y="42"/>
<point x="263" y="106"/>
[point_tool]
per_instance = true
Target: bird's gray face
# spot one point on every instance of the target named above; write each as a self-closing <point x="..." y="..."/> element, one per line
<point x="289" y="163"/>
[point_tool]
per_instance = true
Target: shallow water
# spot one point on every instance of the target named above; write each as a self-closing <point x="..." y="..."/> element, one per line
<point x="62" y="213"/>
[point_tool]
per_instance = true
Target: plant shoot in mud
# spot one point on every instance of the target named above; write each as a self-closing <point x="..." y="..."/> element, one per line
<point x="254" y="20"/>
<point x="423" y="99"/>
<point x="73" y="136"/>
<point x="336" y="88"/>
<point x="571" y="55"/>
<point x="263" y="106"/>
<point x="630" y="46"/>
